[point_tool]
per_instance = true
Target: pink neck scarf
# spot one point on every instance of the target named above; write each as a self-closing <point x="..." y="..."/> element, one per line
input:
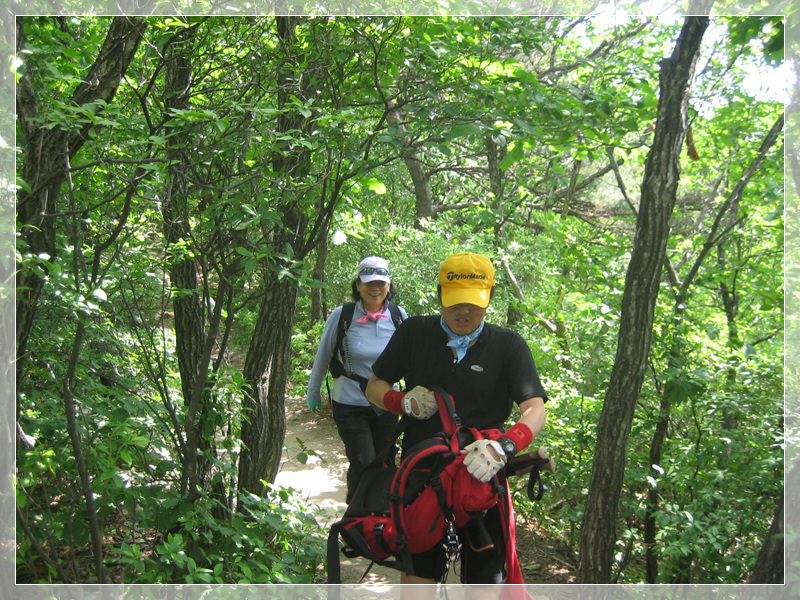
<point x="373" y="316"/>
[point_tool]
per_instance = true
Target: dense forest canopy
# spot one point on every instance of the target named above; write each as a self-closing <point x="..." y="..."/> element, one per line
<point x="194" y="194"/>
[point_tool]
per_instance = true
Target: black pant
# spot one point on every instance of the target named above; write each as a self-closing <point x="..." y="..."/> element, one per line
<point x="364" y="433"/>
<point x="484" y="567"/>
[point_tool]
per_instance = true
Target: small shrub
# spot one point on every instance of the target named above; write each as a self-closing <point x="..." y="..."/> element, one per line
<point x="275" y="539"/>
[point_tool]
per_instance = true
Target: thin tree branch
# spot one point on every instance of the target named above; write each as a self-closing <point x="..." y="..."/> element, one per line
<point x="38" y="547"/>
<point x="620" y="182"/>
<point x="715" y="235"/>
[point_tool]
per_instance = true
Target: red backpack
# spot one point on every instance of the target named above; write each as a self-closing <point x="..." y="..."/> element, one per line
<point x="401" y="510"/>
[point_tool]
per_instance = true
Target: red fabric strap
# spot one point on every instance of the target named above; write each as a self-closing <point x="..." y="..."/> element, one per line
<point x="514" y="588"/>
<point x="520" y="434"/>
<point x="393" y="402"/>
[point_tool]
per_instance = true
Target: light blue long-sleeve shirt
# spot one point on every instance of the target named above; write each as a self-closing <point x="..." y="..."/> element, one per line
<point x="365" y="342"/>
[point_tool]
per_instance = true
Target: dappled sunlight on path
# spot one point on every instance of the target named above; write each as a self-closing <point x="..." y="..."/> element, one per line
<point x="315" y="483"/>
<point x="320" y="477"/>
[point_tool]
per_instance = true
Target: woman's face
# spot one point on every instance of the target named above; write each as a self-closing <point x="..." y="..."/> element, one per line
<point x="463" y="319"/>
<point x="373" y="293"/>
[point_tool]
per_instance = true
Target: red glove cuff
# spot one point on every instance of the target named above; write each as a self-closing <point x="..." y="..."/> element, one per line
<point x="393" y="402"/>
<point x="520" y="434"/>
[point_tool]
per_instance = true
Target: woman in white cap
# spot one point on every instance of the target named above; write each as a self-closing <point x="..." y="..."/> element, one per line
<point x="354" y="335"/>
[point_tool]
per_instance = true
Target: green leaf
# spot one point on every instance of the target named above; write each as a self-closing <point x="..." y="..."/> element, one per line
<point x="514" y="155"/>
<point x="375" y="185"/>
<point x="437" y="30"/>
<point x="463" y="130"/>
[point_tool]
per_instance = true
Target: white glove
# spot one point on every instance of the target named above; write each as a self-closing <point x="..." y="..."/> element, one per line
<point x="426" y="403"/>
<point x="479" y="460"/>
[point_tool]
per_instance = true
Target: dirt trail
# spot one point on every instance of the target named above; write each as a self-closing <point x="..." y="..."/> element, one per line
<point x="322" y="481"/>
<point x="322" y="478"/>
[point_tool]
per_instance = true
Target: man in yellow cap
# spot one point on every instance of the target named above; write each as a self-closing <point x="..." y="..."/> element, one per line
<point x="486" y="369"/>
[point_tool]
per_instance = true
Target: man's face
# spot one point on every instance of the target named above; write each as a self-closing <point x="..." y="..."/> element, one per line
<point x="463" y="319"/>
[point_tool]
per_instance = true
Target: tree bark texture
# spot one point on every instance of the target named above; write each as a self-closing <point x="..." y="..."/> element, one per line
<point x="190" y="335"/>
<point x="422" y="188"/>
<point x="769" y="564"/>
<point x="267" y="362"/>
<point x="658" y="194"/>
<point x="265" y="371"/>
<point x="46" y="153"/>
<point x="187" y="301"/>
<point x="420" y="178"/>
<point x="494" y="155"/>
<point x="195" y="332"/>
<point x="319" y="306"/>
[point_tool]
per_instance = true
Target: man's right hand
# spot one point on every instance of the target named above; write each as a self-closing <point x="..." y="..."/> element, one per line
<point x="420" y="403"/>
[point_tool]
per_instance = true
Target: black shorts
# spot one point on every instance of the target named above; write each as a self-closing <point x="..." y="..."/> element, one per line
<point x="477" y="567"/>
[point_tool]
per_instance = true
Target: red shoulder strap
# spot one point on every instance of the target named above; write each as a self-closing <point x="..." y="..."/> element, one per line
<point x="447" y="410"/>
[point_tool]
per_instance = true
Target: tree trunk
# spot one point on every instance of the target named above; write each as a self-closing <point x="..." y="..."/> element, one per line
<point x="769" y="564"/>
<point x="658" y="194"/>
<point x="46" y="153"/>
<point x="494" y="155"/>
<point x="190" y="334"/>
<point x="652" y="505"/>
<point x="422" y="189"/>
<point x="319" y="308"/>
<point x="265" y="372"/>
<point x="420" y="178"/>
<point x="514" y="313"/>
<point x="195" y="332"/>
<point x="187" y="303"/>
<point x="267" y="362"/>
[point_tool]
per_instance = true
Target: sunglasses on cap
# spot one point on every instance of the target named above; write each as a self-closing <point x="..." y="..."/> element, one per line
<point x="374" y="271"/>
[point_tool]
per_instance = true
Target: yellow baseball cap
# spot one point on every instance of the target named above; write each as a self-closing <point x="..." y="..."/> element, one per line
<point x="466" y="278"/>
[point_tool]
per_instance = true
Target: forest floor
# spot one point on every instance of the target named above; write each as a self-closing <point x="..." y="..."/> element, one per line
<point x="321" y="480"/>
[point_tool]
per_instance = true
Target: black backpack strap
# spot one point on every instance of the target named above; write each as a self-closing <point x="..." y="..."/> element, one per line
<point x="336" y="366"/>
<point x="397" y="316"/>
<point x="345" y="319"/>
<point x="334" y="568"/>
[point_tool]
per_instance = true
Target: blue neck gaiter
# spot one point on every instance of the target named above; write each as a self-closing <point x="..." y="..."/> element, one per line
<point x="461" y="342"/>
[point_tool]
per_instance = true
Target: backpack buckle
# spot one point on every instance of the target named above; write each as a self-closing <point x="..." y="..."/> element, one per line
<point x="451" y="546"/>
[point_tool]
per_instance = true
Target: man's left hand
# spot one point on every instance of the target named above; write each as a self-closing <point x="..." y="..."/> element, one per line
<point x="484" y="458"/>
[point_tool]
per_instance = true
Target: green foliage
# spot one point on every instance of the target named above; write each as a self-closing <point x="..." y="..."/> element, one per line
<point x="279" y="542"/>
<point x="568" y="438"/>
<point x="265" y="161"/>
<point x="697" y="520"/>
<point x="304" y="349"/>
<point x="769" y="31"/>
